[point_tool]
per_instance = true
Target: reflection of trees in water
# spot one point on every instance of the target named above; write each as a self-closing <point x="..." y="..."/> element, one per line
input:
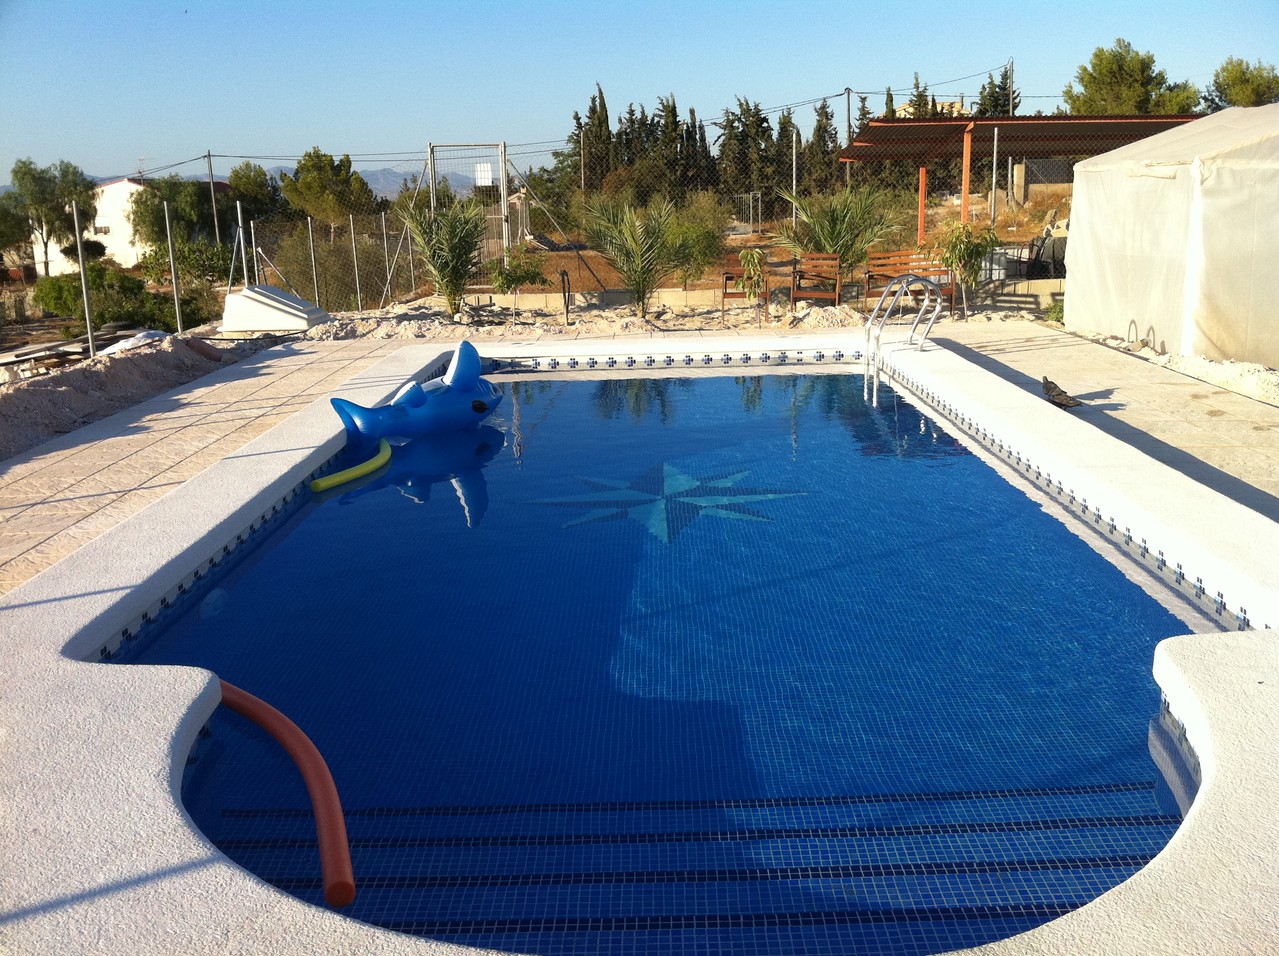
<point x="639" y="396"/>
<point x="752" y="387"/>
<point x="891" y="428"/>
<point x="533" y="391"/>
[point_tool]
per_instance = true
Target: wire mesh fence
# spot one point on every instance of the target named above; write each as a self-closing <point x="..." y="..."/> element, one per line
<point x="335" y="231"/>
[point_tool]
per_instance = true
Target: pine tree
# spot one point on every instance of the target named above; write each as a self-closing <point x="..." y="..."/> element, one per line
<point x="670" y="133"/>
<point x="863" y="115"/>
<point x="821" y="154"/>
<point x="597" y="141"/>
<point x="783" y="156"/>
<point x="734" y="177"/>
<point x="919" y="101"/>
<point x="994" y="97"/>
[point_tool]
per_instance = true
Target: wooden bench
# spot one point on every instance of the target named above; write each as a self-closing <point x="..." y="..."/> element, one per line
<point x="733" y="272"/>
<point x="815" y="276"/>
<point x="883" y="267"/>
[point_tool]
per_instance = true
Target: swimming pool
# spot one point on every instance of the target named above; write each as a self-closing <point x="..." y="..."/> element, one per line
<point x="726" y="663"/>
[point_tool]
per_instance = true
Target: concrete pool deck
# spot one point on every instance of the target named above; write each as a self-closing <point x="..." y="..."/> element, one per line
<point x="98" y="859"/>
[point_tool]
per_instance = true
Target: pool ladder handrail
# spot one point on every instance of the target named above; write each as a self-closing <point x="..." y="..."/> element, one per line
<point x="932" y="296"/>
<point x="330" y="825"/>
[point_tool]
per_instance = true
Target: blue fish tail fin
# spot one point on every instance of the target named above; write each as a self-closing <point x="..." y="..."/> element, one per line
<point x="360" y="423"/>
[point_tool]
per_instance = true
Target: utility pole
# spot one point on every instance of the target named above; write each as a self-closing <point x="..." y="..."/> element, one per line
<point x="848" y="119"/>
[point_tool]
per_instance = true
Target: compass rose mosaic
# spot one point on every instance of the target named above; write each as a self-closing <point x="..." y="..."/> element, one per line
<point x="667" y="500"/>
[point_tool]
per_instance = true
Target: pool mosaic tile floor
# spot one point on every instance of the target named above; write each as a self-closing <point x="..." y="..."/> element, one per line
<point x="735" y="681"/>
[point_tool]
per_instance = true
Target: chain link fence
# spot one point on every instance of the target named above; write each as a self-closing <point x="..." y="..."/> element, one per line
<point x="746" y="180"/>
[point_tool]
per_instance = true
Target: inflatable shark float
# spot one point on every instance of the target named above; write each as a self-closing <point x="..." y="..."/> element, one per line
<point x="457" y="399"/>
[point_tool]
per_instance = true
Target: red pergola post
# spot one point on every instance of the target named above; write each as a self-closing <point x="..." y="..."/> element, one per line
<point x="968" y="157"/>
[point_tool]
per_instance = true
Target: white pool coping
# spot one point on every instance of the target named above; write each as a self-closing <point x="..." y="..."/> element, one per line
<point x="99" y="855"/>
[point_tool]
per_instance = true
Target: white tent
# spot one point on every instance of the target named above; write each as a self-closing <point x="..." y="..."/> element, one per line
<point x="1174" y="239"/>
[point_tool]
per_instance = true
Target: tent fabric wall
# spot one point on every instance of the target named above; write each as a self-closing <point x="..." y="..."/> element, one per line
<point x="1171" y="238"/>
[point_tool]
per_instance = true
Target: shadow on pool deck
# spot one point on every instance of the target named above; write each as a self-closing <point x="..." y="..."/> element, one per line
<point x="1101" y="415"/>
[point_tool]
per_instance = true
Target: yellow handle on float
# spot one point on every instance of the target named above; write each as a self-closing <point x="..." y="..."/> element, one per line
<point x="356" y="471"/>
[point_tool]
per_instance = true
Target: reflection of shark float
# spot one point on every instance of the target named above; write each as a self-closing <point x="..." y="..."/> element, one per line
<point x="456" y="457"/>
<point x="457" y="399"/>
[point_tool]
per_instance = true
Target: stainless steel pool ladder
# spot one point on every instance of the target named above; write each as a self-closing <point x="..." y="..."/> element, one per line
<point x="931" y="296"/>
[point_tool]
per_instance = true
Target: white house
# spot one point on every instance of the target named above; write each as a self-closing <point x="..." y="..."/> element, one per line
<point x="111" y="228"/>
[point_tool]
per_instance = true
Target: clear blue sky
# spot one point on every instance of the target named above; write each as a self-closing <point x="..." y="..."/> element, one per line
<point x="111" y="85"/>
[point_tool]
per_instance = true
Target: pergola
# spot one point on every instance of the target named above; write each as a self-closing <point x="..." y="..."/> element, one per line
<point x="986" y="137"/>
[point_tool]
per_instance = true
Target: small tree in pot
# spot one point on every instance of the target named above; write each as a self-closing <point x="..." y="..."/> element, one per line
<point x="752" y="280"/>
<point x="962" y="250"/>
<point x="521" y="268"/>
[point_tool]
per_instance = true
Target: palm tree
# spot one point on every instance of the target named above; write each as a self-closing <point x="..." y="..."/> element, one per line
<point x="846" y="224"/>
<point x="449" y="242"/>
<point x="642" y="247"/>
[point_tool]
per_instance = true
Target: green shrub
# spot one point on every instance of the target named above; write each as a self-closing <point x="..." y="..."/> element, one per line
<point x="93" y="250"/>
<point x="963" y="250"/>
<point x="197" y="262"/>
<point x="332" y="284"/>
<point x="522" y="267"/>
<point x="700" y="224"/>
<point x="117" y="297"/>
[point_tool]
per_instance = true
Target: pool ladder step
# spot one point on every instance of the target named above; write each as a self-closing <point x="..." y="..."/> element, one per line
<point x="507" y="876"/>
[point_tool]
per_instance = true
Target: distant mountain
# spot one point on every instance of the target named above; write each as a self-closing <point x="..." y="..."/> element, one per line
<point x="387" y="182"/>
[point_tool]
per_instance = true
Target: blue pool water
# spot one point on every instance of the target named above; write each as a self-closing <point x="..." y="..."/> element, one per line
<point x="688" y="665"/>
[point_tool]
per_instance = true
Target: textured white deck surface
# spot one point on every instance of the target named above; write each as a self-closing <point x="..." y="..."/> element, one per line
<point x="99" y="856"/>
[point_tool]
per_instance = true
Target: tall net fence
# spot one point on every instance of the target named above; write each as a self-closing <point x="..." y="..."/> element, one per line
<point x="346" y="255"/>
<point x="334" y="231"/>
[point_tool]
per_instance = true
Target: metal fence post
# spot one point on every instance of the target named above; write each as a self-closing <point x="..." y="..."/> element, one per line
<point x="315" y="275"/>
<point x="794" y="174"/>
<point x="430" y="174"/>
<point x="506" y="207"/>
<point x="84" y="278"/>
<point x="994" y="175"/>
<point x="173" y="267"/>
<point x="412" y="272"/>
<point x="355" y="263"/>
<point x="244" y="256"/>
<point x="386" y="253"/>
<point x="253" y="239"/>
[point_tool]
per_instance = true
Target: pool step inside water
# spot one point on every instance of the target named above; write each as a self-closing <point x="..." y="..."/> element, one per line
<point x="870" y="873"/>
